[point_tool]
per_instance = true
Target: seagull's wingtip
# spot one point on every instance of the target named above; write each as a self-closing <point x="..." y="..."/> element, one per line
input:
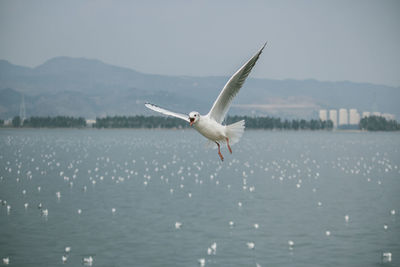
<point x="262" y="48"/>
<point x="266" y="42"/>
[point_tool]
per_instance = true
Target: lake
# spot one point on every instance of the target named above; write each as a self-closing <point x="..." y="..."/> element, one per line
<point x="162" y="198"/>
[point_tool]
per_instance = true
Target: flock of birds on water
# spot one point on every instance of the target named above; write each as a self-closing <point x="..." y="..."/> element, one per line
<point x="172" y="172"/>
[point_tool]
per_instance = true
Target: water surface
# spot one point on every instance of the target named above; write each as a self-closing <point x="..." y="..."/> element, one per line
<point x="295" y="186"/>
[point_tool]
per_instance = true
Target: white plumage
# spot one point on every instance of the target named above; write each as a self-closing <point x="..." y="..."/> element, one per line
<point x="210" y="125"/>
<point x="6" y="261"/>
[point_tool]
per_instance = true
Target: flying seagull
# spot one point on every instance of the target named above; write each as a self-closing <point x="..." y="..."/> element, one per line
<point x="210" y="125"/>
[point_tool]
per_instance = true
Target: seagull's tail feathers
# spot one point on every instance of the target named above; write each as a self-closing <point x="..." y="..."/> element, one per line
<point x="235" y="131"/>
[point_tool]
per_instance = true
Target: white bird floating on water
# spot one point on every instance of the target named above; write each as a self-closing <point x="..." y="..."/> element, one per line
<point x="88" y="260"/>
<point x="210" y="125"/>
<point x="178" y="225"/>
<point x="45" y="212"/>
<point x="250" y="245"/>
<point x="6" y="261"/>
<point x="386" y="257"/>
<point x="214" y="248"/>
<point x="328" y="233"/>
<point x="64" y="258"/>
<point x="202" y="262"/>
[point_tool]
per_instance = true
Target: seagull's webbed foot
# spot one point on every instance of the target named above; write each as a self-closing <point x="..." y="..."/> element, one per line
<point x="219" y="152"/>
<point x="229" y="147"/>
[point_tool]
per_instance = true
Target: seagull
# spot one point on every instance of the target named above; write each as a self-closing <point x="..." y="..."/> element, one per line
<point x="178" y="225"/>
<point x="64" y="258"/>
<point x="6" y="261"/>
<point x="88" y="261"/>
<point x="250" y="245"/>
<point x="202" y="262"/>
<point x="210" y="125"/>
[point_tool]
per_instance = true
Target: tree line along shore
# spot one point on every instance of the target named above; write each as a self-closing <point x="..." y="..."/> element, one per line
<point x="372" y="123"/>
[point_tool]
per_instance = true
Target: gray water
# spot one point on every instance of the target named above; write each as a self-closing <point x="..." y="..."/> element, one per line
<point x="297" y="187"/>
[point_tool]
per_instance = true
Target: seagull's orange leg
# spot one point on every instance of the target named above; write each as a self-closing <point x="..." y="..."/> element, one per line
<point x="229" y="147"/>
<point x="219" y="152"/>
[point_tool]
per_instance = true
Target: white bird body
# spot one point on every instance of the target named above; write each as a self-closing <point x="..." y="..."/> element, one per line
<point x="178" y="225"/>
<point x="210" y="125"/>
<point x="202" y="262"/>
<point x="6" y="261"/>
<point x="88" y="260"/>
<point x="45" y="212"/>
<point x="250" y="245"/>
<point x="211" y="129"/>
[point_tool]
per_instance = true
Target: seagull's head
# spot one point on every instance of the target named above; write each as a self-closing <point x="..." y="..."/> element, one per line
<point x="194" y="117"/>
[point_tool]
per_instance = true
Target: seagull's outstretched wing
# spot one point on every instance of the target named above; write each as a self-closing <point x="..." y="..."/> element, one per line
<point x="231" y="88"/>
<point x="167" y="112"/>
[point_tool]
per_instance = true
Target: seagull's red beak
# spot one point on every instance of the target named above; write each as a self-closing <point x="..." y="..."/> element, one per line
<point x="191" y="121"/>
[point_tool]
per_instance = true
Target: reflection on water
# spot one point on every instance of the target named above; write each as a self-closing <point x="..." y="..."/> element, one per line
<point x="160" y="198"/>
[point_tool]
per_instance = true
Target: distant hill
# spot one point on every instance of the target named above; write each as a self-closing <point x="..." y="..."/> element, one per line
<point x="91" y="88"/>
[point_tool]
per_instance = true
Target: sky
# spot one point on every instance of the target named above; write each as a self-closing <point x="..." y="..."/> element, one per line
<point x="337" y="40"/>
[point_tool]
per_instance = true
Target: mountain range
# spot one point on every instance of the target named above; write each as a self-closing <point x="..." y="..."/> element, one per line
<point x="91" y="88"/>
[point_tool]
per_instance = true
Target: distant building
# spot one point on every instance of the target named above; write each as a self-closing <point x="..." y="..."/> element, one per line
<point x="343" y="116"/>
<point x="90" y="122"/>
<point x="366" y="114"/>
<point x="349" y="119"/>
<point x="333" y="117"/>
<point x="354" y="116"/>
<point x="323" y="115"/>
<point x="8" y="122"/>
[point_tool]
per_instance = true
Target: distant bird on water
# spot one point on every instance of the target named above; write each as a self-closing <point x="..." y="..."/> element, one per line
<point x="6" y="261"/>
<point x="210" y="125"/>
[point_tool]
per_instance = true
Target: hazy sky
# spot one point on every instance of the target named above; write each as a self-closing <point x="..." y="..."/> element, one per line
<point x="324" y="40"/>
